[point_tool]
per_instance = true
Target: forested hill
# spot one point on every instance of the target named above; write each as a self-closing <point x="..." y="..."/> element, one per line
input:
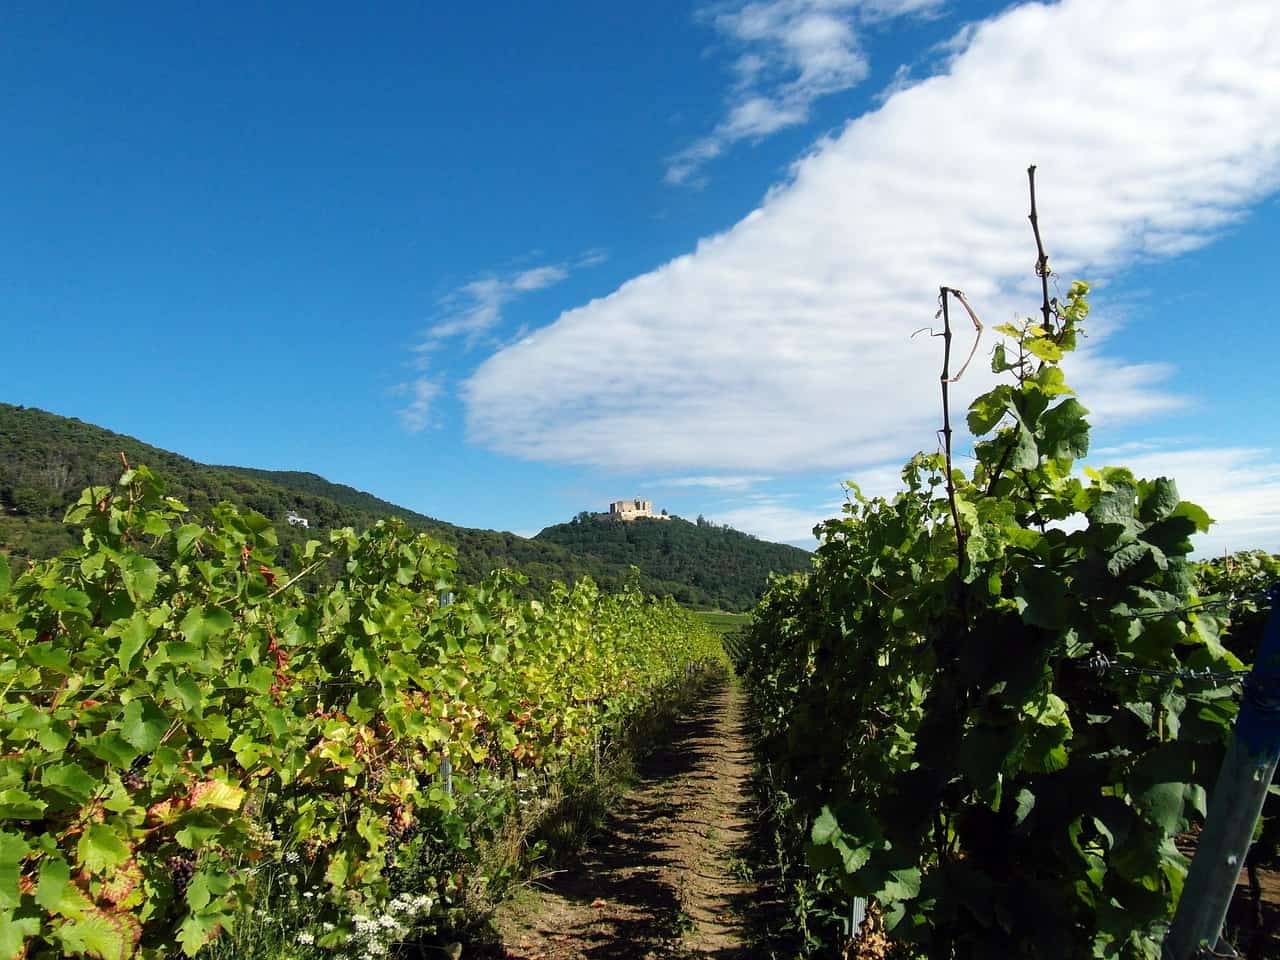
<point x="717" y="560"/>
<point x="46" y="460"/>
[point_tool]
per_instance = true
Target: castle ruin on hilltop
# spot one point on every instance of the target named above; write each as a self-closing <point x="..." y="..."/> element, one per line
<point x="634" y="510"/>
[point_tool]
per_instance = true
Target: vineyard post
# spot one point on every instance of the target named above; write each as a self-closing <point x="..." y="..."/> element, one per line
<point x="1235" y="805"/>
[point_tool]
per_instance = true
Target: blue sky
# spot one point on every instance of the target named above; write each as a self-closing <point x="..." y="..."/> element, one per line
<point x="503" y="264"/>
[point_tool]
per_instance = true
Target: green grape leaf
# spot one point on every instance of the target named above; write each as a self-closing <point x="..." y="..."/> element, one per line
<point x="66" y="599"/>
<point x="186" y="535"/>
<point x="217" y="794"/>
<point x="113" y="748"/>
<point x="53" y="877"/>
<point x="100" y="848"/>
<point x="13" y="849"/>
<point x="132" y="634"/>
<point x="824" y="827"/>
<point x="1195" y="514"/>
<point x="144" y="724"/>
<point x="96" y="933"/>
<point x="14" y="932"/>
<point x="140" y="575"/>
<point x="1065" y="431"/>
<point x="1044" y="349"/>
<point x="1159" y="499"/>
<point x="903" y="884"/>
<point x="1042" y="598"/>
<point x="1025" y="455"/>
<point x="71" y="780"/>
<point x="1024" y="803"/>
<point x="1164" y="804"/>
<point x="197" y="930"/>
<point x="989" y="409"/>
<point x="17" y="804"/>
<point x="202" y="624"/>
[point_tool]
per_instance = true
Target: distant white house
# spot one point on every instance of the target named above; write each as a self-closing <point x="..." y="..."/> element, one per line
<point x="296" y="521"/>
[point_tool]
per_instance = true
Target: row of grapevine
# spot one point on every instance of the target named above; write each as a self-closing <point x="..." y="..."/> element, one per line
<point x="179" y="707"/>
<point x="978" y="708"/>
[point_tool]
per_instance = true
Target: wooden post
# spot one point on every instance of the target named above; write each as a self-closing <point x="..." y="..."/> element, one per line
<point x="1234" y="806"/>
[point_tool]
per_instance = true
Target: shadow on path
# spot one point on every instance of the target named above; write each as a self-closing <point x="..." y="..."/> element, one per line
<point x="666" y="877"/>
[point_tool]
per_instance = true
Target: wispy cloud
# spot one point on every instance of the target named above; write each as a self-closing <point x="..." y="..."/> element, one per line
<point x="712" y="483"/>
<point x="476" y="307"/>
<point x="783" y="344"/>
<point x="781" y="517"/>
<point x="470" y="313"/>
<point x="790" y="53"/>
<point x="415" y="415"/>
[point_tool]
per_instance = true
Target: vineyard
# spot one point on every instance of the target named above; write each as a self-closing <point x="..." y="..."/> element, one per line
<point x="986" y="723"/>
<point x="188" y="719"/>
<point x="999" y="698"/>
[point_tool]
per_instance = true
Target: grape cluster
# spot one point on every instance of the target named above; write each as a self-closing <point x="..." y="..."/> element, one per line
<point x="181" y="870"/>
<point x="399" y="835"/>
<point x="132" y="778"/>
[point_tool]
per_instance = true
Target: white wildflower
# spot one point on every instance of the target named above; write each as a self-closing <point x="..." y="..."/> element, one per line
<point x="327" y="927"/>
<point x="291" y="857"/>
<point x="306" y="939"/>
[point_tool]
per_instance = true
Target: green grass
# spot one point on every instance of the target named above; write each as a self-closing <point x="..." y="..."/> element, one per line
<point x="722" y="622"/>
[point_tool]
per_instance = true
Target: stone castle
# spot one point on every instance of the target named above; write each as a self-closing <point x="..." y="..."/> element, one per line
<point x="634" y="510"/>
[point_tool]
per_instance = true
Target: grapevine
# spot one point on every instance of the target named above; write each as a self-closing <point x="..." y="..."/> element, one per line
<point x="928" y="711"/>
<point x="180" y="705"/>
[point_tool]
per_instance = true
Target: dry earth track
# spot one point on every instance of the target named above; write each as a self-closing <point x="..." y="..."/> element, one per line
<point x="664" y="879"/>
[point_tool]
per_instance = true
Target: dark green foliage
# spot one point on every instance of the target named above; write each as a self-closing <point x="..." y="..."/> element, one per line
<point x="932" y="712"/>
<point x="46" y="460"/>
<point x="721" y="567"/>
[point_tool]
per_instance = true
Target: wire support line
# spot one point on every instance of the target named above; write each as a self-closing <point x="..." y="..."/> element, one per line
<point x="1234" y="601"/>
<point x="1100" y="663"/>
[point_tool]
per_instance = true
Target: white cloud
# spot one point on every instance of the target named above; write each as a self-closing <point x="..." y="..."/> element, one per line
<point x="795" y="51"/>
<point x="415" y="416"/>
<point x="538" y="278"/>
<point x="791" y="517"/>
<point x="779" y="522"/>
<point x="1239" y="487"/>
<point x="476" y="307"/>
<point x="713" y="483"/>
<point x="783" y="344"/>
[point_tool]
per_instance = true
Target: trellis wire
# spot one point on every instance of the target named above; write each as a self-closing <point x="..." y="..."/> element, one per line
<point x="1100" y="663"/>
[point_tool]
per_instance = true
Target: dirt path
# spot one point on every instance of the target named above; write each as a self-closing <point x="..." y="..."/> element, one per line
<point x="664" y="878"/>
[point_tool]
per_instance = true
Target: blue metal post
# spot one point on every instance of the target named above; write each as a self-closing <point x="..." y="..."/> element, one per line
<point x="1235" y="804"/>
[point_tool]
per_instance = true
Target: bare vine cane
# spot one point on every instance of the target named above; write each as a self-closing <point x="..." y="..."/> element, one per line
<point x="946" y="380"/>
<point x="1234" y="806"/>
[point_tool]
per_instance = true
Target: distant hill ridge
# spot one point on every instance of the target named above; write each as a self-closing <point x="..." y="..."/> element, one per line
<point x="719" y="560"/>
<point x="46" y="460"/>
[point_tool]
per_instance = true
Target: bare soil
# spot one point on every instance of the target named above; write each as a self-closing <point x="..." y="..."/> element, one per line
<point x="1255" y="931"/>
<point x="667" y="876"/>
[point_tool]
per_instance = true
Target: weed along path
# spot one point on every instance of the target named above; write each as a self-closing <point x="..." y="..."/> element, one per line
<point x="664" y="878"/>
